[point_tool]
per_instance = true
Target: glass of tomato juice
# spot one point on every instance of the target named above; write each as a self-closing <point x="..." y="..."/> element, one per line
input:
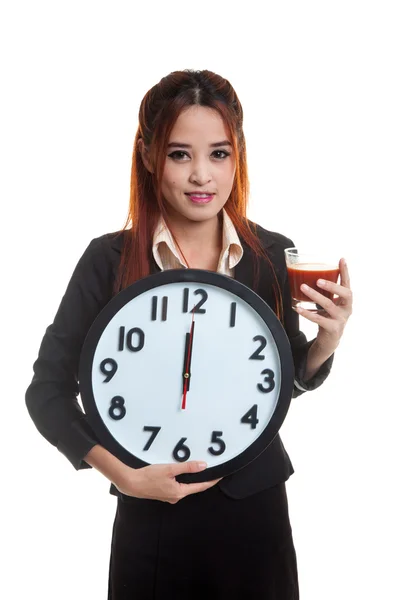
<point x="307" y="267"/>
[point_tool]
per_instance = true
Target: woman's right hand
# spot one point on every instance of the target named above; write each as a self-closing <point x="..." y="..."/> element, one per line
<point x="157" y="482"/>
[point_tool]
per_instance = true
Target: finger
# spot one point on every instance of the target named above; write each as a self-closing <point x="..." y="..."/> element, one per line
<point x="344" y="273"/>
<point x="318" y="318"/>
<point x="192" y="466"/>
<point x="327" y="304"/>
<point x="196" y="488"/>
<point x="335" y="288"/>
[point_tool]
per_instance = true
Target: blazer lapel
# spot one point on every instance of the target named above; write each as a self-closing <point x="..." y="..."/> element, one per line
<point x="244" y="272"/>
<point x="244" y="268"/>
<point x="154" y="268"/>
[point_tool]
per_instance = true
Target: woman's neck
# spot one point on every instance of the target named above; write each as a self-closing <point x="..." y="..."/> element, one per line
<point x="198" y="236"/>
<point x="200" y="242"/>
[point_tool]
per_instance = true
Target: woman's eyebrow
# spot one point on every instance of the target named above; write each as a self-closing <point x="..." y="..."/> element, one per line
<point x="216" y="145"/>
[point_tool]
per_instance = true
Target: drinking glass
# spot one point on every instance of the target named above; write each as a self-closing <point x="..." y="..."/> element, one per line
<point x="307" y="267"/>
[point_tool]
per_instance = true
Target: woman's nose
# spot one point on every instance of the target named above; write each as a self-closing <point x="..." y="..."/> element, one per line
<point x="200" y="173"/>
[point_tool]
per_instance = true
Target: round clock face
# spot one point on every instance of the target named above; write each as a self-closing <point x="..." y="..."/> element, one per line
<point x="184" y="365"/>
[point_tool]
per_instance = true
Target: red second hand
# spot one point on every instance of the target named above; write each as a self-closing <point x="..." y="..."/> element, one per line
<point x="187" y="363"/>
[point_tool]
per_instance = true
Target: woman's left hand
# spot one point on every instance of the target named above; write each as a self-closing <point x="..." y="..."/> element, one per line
<point x="332" y="321"/>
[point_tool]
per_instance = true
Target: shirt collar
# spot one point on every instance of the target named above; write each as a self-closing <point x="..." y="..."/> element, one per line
<point x="232" y="249"/>
<point x="230" y="240"/>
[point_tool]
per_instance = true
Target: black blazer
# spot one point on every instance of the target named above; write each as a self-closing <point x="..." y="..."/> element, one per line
<point x="51" y="398"/>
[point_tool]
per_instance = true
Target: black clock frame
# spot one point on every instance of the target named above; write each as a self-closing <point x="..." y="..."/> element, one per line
<point x="188" y="276"/>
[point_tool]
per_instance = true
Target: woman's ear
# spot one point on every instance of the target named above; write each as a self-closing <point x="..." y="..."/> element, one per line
<point x="145" y="155"/>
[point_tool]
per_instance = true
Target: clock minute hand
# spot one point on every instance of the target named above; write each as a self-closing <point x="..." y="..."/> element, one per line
<point x="188" y="371"/>
<point x="187" y="343"/>
<point x="187" y="362"/>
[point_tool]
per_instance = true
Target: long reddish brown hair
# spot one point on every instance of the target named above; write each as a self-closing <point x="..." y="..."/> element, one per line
<point x="158" y="113"/>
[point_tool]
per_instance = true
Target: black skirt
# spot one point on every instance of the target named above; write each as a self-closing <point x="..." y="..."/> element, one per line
<point x="207" y="546"/>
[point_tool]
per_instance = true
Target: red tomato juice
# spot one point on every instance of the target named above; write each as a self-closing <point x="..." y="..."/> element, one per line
<point x="309" y="273"/>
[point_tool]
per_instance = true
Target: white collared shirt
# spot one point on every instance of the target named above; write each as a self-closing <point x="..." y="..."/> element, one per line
<point x="167" y="255"/>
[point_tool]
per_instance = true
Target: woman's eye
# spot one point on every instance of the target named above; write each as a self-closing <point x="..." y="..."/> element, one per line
<point x="178" y="154"/>
<point x="222" y="152"/>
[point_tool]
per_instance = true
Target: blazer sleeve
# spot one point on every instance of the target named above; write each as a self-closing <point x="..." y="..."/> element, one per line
<point x="299" y="344"/>
<point x="51" y="398"/>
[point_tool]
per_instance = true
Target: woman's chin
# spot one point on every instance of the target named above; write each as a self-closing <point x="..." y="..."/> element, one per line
<point x="192" y="213"/>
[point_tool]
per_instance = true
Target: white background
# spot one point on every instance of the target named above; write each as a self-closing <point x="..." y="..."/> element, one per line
<point x="319" y="84"/>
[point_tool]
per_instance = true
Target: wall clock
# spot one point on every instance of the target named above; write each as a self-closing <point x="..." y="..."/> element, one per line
<point x="186" y="364"/>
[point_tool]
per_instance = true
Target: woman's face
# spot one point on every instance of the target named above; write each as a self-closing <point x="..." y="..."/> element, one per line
<point x="198" y="162"/>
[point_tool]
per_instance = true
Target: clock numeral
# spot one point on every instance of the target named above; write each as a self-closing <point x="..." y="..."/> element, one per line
<point x="216" y="439"/>
<point x="197" y="308"/>
<point x="117" y="410"/>
<point x="128" y="339"/>
<point x="232" y="321"/>
<point x="121" y="339"/>
<point x="185" y="300"/>
<point x="181" y="452"/>
<point x="109" y="373"/>
<point x="256" y="354"/>
<point x="250" y="417"/>
<point x="268" y="379"/>
<point x="154" y="432"/>
<point x="204" y="297"/>
<point x="154" y="302"/>
<point x="164" y="308"/>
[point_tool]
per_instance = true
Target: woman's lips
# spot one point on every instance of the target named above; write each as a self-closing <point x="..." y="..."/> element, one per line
<point x="200" y="200"/>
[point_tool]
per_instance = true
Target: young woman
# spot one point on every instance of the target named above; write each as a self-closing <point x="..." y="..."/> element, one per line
<point x="226" y="539"/>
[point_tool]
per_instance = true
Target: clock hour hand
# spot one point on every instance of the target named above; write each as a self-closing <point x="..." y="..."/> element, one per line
<point x="187" y="362"/>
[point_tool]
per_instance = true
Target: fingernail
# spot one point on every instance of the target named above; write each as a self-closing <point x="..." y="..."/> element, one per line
<point x="304" y="286"/>
<point x="321" y="282"/>
<point x="202" y="465"/>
